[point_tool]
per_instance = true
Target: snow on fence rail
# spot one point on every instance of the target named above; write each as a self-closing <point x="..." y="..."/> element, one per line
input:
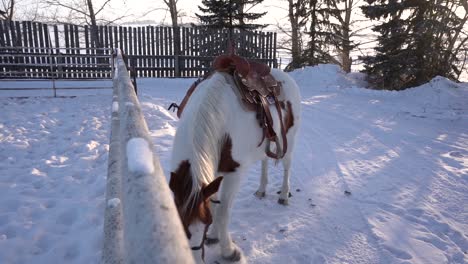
<point x="141" y="222"/>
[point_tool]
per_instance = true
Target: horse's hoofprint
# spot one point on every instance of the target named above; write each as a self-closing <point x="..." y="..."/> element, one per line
<point x="226" y="162"/>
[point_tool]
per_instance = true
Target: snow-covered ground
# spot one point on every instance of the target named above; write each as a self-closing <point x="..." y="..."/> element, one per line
<point x="402" y="157"/>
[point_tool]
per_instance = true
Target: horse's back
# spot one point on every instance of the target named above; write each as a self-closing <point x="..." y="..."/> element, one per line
<point x="290" y="90"/>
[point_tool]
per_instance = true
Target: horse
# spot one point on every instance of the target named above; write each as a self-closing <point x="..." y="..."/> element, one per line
<point x="217" y="139"/>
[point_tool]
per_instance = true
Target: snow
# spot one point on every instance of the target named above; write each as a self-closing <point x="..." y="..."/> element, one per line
<point x="115" y="106"/>
<point x="114" y="202"/>
<point x="139" y="156"/>
<point x="402" y="156"/>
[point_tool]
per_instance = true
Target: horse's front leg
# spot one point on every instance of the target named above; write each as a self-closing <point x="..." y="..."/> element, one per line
<point x="230" y="186"/>
<point x="260" y="193"/>
<point x="213" y="235"/>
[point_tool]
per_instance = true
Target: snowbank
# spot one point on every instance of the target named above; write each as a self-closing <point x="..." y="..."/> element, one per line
<point x="403" y="156"/>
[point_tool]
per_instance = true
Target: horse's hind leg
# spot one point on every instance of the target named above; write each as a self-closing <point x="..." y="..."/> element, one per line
<point x="284" y="194"/>
<point x="260" y="193"/>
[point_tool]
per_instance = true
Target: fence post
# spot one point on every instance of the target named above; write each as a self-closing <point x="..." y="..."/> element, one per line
<point x="151" y="227"/>
<point x="177" y="49"/>
<point x="275" y="62"/>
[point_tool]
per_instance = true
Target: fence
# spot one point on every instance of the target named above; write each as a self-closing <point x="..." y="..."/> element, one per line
<point x="55" y="72"/>
<point x="141" y="222"/>
<point x="151" y="51"/>
<point x="54" y="87"/>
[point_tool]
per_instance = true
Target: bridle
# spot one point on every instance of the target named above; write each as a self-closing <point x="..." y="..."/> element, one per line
<point x="205" y="231"/>
<point x="202" y="243"/>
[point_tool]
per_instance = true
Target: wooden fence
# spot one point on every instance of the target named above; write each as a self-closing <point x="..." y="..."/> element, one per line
<point x="29" y="47"/>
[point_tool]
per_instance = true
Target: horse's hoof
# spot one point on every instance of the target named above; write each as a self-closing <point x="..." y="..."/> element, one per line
<point x="211" y="241"/>
<point x="283" y="201"/>
<point x="235" y="256"/>
<point x="260" y="194"/>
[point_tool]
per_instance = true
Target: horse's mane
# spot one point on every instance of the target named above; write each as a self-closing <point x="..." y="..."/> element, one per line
<point x="207" y="123"/>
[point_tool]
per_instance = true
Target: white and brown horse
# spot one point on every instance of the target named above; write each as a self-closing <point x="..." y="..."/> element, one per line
<point x="216" y="141"/>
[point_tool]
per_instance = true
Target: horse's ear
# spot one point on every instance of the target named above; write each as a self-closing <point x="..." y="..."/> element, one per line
<point x="212" y="188"/>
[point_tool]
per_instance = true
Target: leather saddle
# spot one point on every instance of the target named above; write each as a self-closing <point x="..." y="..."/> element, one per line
<point x="257" y="89"/>
<point x="251" y="77"/>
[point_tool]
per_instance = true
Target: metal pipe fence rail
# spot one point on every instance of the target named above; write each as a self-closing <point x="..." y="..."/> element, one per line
<point x="55" y="63"/>
<point x="141" y="222"/>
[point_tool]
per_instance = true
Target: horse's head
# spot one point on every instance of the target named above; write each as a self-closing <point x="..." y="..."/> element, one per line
<point x="193" y="205"/>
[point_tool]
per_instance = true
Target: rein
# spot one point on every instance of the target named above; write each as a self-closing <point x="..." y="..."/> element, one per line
<point x="201" y="246"/>
<point x="202" y="243"/>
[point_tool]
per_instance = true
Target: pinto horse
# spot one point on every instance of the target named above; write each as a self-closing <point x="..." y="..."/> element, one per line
<point x="217" y="139"/>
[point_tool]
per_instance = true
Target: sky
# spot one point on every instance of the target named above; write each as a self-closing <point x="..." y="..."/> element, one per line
<point x="277" y="10"/>
<point x="155" y="12"/>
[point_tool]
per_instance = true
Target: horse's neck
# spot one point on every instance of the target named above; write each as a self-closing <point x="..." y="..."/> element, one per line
<point x="202" y="128"/>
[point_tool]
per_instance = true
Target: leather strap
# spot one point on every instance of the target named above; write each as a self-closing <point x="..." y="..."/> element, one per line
<point x="279" y="154"/>
<point x="202" y="244"/>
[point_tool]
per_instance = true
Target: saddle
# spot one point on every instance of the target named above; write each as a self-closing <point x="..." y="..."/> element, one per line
<point x="257" y="90"/>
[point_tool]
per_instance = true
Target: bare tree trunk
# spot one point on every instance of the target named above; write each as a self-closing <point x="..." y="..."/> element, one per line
<point x="313" y="37"/>
<point x="172" y="5"/>
<point x="346" y="41"/>
<point x="296" y="48"/>
<point x="94" y="28"/>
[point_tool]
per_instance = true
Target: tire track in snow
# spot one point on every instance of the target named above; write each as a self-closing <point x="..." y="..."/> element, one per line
<point x="326" y="147"/>
<point x="430" y="221"/>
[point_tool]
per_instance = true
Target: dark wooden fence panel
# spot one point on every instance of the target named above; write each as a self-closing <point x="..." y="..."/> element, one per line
<point x="36" y="50"/>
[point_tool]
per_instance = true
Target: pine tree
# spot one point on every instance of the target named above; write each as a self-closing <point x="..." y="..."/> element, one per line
<point x="327" y="27"/>
<point x="322" y="35"/>
<point x="227" y="16"/>
<point x="414" y="43"/>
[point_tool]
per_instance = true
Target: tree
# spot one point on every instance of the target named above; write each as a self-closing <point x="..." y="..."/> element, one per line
<point x="7" y="10"/>
<point x="221" y="15"/>
<point x="342" y="11"/>
<point x="172" y="5"/>
<point x="83" y="12"/>
<point x="321" y="35"/>
<point x="417" y="41"/>
<point x="229" y="14"/>
<point x="297" y="14"/>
